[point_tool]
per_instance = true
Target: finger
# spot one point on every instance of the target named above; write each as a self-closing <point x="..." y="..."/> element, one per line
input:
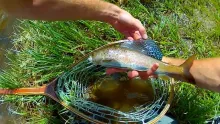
<point x="132" y="74"/>
<point x="153" y="69"/>
<point x="127" y="35"/>
<point x="150" y="72"/>
<point x="110" y="71"/>
<point x="143" y="75"/>
<point x="141" y="29"/>
<point x="130" y="38"/>
<point x="136" y="35"/>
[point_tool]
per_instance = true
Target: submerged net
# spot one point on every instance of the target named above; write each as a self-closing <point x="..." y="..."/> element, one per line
<point x="74" y="88"/>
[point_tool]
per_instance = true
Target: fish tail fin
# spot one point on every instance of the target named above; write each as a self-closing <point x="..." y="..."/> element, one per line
<point x="188" y="63"/>
<point x="181" y="72"/>
<point x="186" y="67"/>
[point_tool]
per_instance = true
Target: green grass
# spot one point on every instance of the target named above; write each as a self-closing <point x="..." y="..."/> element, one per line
<point x="46" y="49"/>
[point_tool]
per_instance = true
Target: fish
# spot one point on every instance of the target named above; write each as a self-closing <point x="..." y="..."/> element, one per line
<point x="132" y="55"/>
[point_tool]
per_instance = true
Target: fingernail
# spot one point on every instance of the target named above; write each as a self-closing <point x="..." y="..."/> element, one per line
<point x="145" y="36"/>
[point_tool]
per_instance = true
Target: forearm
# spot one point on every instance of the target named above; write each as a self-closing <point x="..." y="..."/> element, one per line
<point x="206" y="72"/>
<point x="61" y="9"/>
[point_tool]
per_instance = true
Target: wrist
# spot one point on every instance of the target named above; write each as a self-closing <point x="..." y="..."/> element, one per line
<point x="110" y="14"/>
<point x="192" y="72"/>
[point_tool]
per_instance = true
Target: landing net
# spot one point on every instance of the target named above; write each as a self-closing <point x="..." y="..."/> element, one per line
<point x="73" y="88"/>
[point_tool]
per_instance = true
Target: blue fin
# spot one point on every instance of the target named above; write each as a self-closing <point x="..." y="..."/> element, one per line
<point x="147" y="47"/>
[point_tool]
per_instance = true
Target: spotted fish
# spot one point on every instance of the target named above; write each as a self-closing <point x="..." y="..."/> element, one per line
<point x="136" y="56"/>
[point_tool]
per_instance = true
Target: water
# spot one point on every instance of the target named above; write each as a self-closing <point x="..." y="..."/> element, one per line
<point x="122" y="95"/>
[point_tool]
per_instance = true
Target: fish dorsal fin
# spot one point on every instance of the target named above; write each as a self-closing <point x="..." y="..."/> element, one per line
<point x="146" y="47"/>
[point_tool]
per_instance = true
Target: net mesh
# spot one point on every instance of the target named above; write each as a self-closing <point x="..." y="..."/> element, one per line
<point x="73" y="88"/>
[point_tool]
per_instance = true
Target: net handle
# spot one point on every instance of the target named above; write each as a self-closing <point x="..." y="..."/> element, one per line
<point x="167" y="106"/>
<point x="23" y="91"/>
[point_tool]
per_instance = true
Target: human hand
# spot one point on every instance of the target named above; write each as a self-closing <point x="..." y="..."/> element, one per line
<point x="130" y="27"/>
<point x="133" y="30"/>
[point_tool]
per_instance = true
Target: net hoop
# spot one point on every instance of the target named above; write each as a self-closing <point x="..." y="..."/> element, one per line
<point x="154" y="120"/>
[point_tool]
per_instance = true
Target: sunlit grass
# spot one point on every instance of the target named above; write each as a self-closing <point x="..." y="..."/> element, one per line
<point x="46" y="49"/>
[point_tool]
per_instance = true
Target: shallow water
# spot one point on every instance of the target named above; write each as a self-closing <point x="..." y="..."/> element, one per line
<point x="122" y="95"/>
